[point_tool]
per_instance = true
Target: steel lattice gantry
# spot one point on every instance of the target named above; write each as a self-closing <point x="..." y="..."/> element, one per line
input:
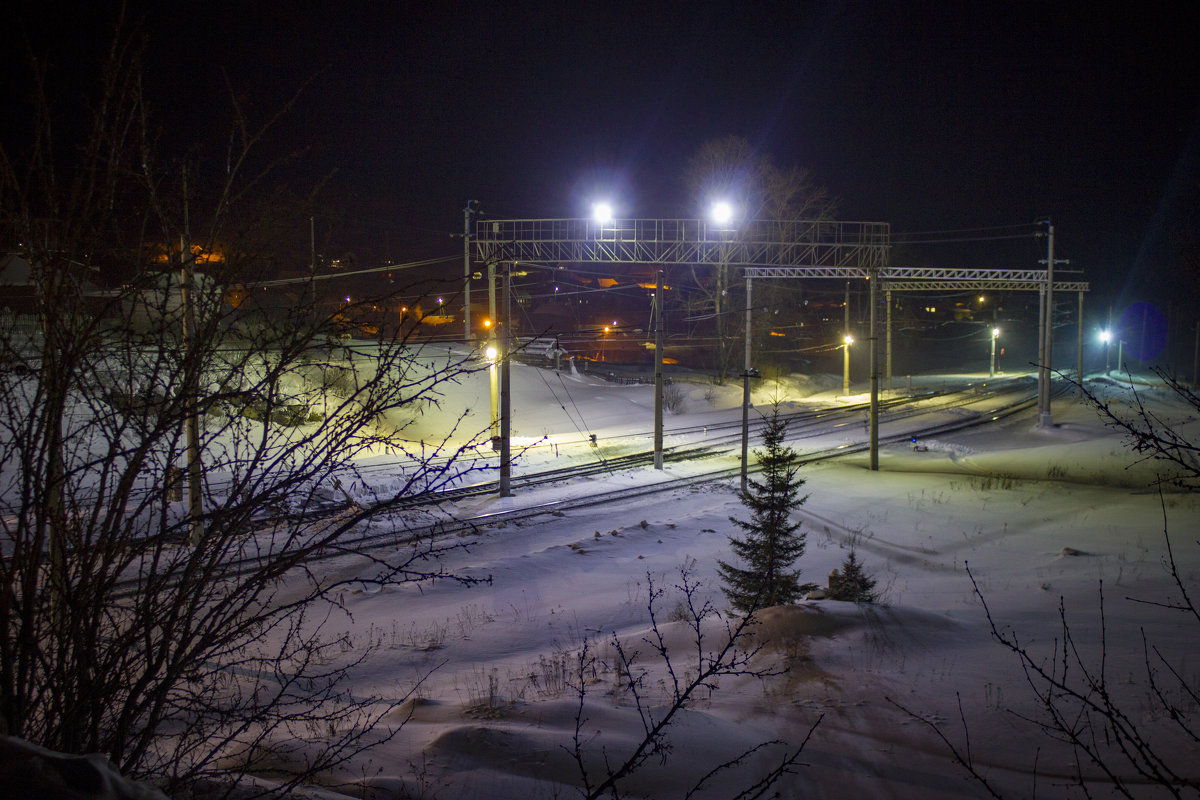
<point x="921" y="279"/>
<point x="915" y="279"/>
<point x="945" y="279"/>
<point x="762" y="249"/>
<point x="817" y="244"/>
<point x="762" y="243"/>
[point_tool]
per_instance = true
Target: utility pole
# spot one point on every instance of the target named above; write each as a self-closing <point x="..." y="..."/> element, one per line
<point x="873" y="425"/>
<point x="467" y="271"/>
<point x="505" y="389"/>
<point x="658" y="371"/>
<point x="888" y="382"/>
<point x="748" y="372"/>
<point x="1045" y="419"/>
<point x="1079" y="349"/>
<point x="846" y="341"/>
<point x="492" y="346"/>
<point x="992" y="367"/>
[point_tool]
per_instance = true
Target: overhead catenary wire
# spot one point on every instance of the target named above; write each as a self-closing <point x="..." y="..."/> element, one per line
<point x="958" y="239"/>
<point x="335" y="275"/>
<point x="586" y="431"/>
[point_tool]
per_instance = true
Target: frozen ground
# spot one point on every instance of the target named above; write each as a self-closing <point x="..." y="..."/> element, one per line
<point x="1042" y="517"/>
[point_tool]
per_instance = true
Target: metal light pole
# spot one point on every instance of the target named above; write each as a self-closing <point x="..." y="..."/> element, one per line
<point x="992" y="369"/>
<point x="847" y="341"/>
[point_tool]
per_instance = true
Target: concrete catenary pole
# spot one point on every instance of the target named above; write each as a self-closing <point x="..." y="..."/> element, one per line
<point x="1079" y="349"/>
<point x="505" y="386"/>
<point x="888" y="381"/>
<point x="658" y="371"/>
<point x="493" y="382"/>
<point x="873" y="295"/>
<point x="1045" y="418"/>
<point x="467" y="271"/>
<point x="846" y="341"/>
<point x="746" y="375"/>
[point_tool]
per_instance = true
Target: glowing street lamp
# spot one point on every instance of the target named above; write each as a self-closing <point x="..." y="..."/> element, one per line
<point x="995" y="335"/>
<point x="602" y="213"/>
<point x="1106" y="337"/>
<point x="721" y="212"/>
<point x="848" y="340"/>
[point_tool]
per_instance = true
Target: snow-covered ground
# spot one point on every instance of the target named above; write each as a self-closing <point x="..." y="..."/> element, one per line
<point x="1041" y="516"/>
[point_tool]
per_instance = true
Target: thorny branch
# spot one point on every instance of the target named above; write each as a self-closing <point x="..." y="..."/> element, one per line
<point x="731" y="657"/>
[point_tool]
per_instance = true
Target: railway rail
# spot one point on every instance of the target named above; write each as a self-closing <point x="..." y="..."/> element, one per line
<point x="1010" y="398"/>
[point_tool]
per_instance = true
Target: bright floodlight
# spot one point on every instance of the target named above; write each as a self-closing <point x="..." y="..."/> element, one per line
<point x="721" y="212"/>
<point x="849" y="339"/>
<point x="1106" y="336"/>
<point x="602" y="213"/>
<point x="491" y="353"/>
<point x="995" y="332"/>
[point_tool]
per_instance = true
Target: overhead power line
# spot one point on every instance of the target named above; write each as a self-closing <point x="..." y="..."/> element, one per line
<point x="331" y="275"/>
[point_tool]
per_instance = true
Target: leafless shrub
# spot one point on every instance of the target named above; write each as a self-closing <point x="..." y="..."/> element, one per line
<point x="672" y="397"/>
<point x="688" y="679"/>
<point x="183" y="639"/>
<point x="1117" y="742"/>
<point x="1153" y="436"/>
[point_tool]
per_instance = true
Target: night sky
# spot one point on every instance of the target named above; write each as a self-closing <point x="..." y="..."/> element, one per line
<point x="934" y="117"/>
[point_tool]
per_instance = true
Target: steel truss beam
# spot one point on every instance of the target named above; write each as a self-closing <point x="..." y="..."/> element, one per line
<point x="818" y="244"/>
<point x="968" y="285"/>
<point x="918" y="279"/>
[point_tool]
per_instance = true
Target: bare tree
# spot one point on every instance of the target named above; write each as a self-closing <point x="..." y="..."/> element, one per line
<point x="172" y="468"/>
<point x="731" y="169"/>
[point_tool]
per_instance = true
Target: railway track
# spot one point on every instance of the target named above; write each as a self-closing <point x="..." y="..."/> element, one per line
<point x="413" y="523"/>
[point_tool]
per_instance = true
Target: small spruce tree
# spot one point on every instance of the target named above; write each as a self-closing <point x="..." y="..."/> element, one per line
<point x="772" y="541"/>
<point x="852" y="583"/>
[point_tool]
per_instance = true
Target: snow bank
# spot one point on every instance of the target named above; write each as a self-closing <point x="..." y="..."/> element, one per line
<point x="29" y="771"/>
